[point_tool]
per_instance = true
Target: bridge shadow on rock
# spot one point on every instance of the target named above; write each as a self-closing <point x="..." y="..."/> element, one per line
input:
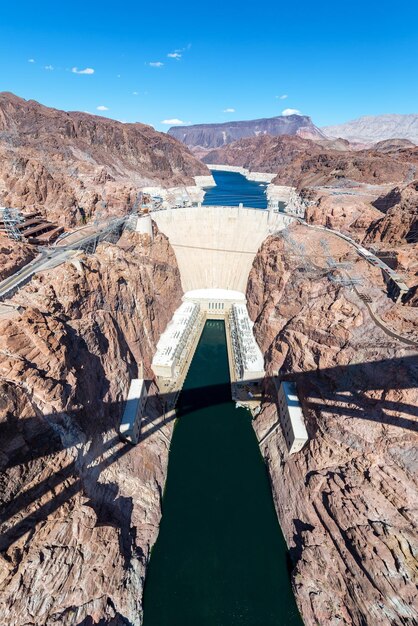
<point x="41" y="473"/>
<point x="30" y="445"/>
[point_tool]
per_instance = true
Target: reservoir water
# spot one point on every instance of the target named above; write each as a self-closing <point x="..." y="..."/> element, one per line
<point x="220" y="558"/>
<point x="232" y="188"/>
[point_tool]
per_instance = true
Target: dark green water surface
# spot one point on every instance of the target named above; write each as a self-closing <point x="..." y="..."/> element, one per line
<point x="220" y="558"/>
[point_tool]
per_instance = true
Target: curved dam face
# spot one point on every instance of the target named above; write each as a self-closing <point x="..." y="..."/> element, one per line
<point x="215" y="245"/>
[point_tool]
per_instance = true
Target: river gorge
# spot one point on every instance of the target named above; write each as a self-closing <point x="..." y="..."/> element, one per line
<point x="220" y="557"/>
<point x="80" y="525"/>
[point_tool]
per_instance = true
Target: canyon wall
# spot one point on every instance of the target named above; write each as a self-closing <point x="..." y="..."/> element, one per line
<point x="13" y="255"/>
<point x="347" y="503"/>
<point x="80" y="508"/>
<point x="302" y="162"/>
<point x="72" y="164"/>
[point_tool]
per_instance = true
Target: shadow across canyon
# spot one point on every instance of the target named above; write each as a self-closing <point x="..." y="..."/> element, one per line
<point x="29" y="444"/>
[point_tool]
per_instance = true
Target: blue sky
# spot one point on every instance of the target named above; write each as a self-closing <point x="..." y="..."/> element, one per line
<point x="332" y="61"/>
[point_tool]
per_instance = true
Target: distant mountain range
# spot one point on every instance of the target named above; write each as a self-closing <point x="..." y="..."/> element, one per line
<point x="373" y="128"/>
<point x="365" y="130"/>
<point x="210" y="136"/>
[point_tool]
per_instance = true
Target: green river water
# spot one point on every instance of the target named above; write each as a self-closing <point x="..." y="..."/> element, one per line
<point x="220" y="558"/>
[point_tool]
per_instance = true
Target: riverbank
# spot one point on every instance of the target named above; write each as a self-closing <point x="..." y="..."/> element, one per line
<point x="259" y="177"/>
<point x="177" y="195"/>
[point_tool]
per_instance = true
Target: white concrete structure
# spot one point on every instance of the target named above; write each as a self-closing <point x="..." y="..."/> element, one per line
<point x="205" y="181"/>
<point x="216" y="303"/>
<point x="215" y="246"/>
<point x="291" y="417"/>
<point x="144" y="225"/>
<point x="281" y="193"/>
<point x="130" y="425"/>
<point x="182" y="196"/>
<point x="260" y="177"/>
<point x="174" y="340"/>
<point x="248" y="359"/>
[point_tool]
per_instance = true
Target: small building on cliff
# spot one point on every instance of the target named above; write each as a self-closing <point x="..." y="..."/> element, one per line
<point x="291" y="417"/>
<point x="130" y="425"/>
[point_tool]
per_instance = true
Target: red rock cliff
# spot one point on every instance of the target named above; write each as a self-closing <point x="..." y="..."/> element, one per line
<point x="347" y="501"/>
<point x="80" y="509"/>
<point x="71" y="164"/>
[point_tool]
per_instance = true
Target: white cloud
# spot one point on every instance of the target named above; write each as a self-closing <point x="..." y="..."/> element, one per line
<point x="134" y="93"/>
<point x="31" y="60"/>
<point x="156" y="64"/>
<point x="49" y="67"/>
<point x="173" y="122"/>
<point x="102" y="107"/>
<point x="87" y="70"/>
<point x="230" y="110"/>
<point x="291" y="112"/>
<point x="178" y="53"/>
<point x="283" y="97"/>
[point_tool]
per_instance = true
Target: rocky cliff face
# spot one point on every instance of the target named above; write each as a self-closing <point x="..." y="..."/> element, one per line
<point x="72" y="164"/>
<point x="13" y="255"/>
<point x="347" y="214"/>
<point x="399" y="225"/>
<point x="211" y="136"/>
<point x="301" y="162"/>
<point x="80" y="509"/>
<point x="263" y="153"/>
<point x="347" y="501"/>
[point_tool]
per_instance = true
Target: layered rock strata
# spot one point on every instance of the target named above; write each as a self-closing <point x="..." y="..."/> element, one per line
<point x="347" y="503"/>
<point x="71" y="165"/>
<point x="80" y="509"/>
<point x="302" y="162"/>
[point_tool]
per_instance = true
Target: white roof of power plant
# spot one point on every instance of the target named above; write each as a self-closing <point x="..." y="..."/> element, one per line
<point x="215" y="294"/>
<point x="295" y="410"/>
<point x="253" y="360"/>
<point x="174" y="333"/>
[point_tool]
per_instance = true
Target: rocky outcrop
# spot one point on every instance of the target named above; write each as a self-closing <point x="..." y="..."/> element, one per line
<point x="264" y="153"/>
<point x="347" y="501"/>
<point x="79" y="508"/>
<point x="211" y="136"/>
<point x="347" y="214"/>
<point x="399" y="225"/>
<point x="13" y="255"/>
<point x="73" y="164"/>
<point x="304" y="163"/>
<point x="375" y="128"/>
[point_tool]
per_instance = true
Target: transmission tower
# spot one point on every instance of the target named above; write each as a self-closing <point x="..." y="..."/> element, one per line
<point x="11" y="220"/>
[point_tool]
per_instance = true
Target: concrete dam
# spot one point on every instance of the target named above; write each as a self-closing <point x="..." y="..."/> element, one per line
<point x="215" y="245"/>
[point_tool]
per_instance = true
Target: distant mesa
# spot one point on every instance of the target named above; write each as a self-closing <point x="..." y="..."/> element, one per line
<point x="211" y="136"/>
<point x="371" y="129"/>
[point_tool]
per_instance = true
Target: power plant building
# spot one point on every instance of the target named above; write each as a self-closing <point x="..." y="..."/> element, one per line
<point x="175" y="340"/>
<point x="291" y="417"/>
<point x="248" y="359"/>
<point x="216" y="303"/>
